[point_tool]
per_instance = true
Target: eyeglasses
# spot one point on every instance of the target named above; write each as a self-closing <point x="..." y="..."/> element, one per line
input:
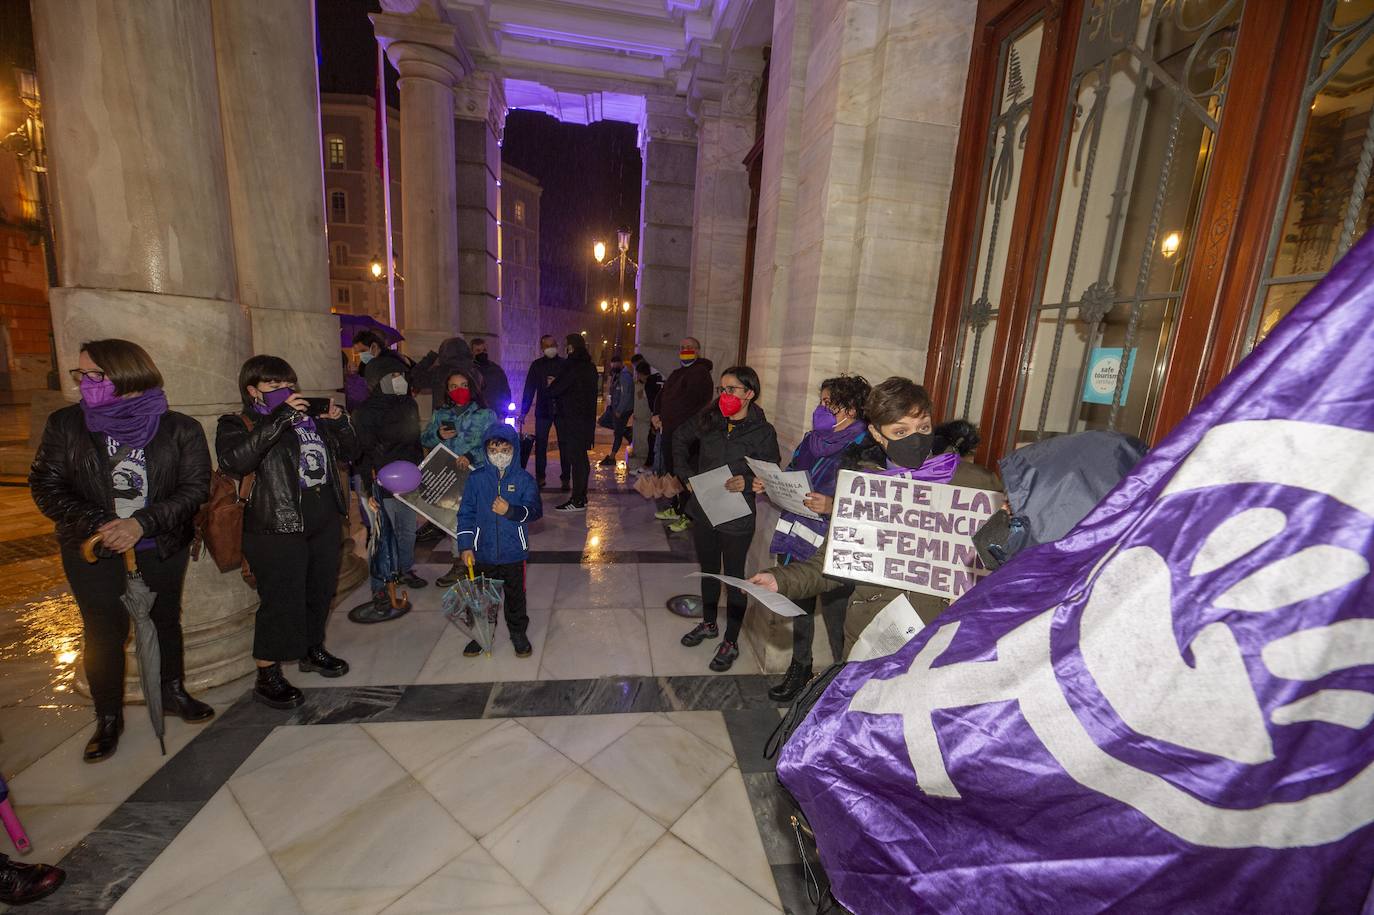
<point x="78" y="375"/>
<point x="735" y="389"/>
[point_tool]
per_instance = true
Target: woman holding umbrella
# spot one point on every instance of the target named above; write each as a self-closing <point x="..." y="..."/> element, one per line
<point x="121" y="465"/>
<point x="293" y="523"/>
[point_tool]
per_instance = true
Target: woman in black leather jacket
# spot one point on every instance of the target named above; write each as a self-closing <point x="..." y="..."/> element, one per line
<point x="293" y="523"/>
<point x="122" y="465"/>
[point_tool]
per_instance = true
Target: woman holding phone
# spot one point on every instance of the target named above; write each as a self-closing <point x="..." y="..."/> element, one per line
<point x="293" y="523"/>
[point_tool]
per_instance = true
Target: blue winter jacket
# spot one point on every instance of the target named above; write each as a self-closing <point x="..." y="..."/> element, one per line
<point x="498" y="540"/>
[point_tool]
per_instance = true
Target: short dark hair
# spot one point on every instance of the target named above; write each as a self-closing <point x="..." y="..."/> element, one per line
<point x="474" y="385"/>
<point x="577" y="341"/>
<point x="260" y="369"/>
<point x="636" y="359"/>
<point x="476" y="340"/>
<point x="125" y="363"/>
<point x="848" y="392"/>
<point x="895" y="399"/>
<point x="642" y="367"/>
<point x="368" y="338"/>
<point x="747" y="377"/>
<point x="549" y="337"/>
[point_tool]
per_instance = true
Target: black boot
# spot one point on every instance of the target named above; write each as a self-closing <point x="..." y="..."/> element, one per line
<point x="273" y="690"/>
<point x="23" y="883"/>
<point x="319" y="661"/>
<point x="176" y="701"/>
<point x="792" y="683"/>
<point x="105" y="740"/>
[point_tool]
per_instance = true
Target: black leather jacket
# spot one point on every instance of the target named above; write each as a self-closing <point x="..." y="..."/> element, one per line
<point x="71" y="484"/>
<point x="274" y="453"/>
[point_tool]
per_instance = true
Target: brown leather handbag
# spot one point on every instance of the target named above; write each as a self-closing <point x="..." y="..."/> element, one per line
<point x="219" y="523"/>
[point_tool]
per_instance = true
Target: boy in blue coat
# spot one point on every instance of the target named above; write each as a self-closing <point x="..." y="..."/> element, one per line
<point x="500" y="498"/>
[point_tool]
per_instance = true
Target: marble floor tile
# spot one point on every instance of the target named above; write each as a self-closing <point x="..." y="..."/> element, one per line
<point x="720" y="825"/>
<point x="373" y="853"/>
<point x="489" y="778"/>
<point x="541" y="586"/>
<point x="580" y="737"/>
<point x="416" y="744"/>
<point x="709" y="726"/>
<point x="62" y="777"/>
<point x="382" y="653"/>
<point x="660" y="767"/>
<point x="603" y="696"/>
<point x="217" y="850"/>
<point x="303" y="779"/>
<point x="572" y="843"/>
<point x="446" y="663"/>
<point x="55" y="828"/>
<point x="28" y="734"/>
<point x="601" y="585"/>
<point x="595" y="643"/>
<point x="673" y="879"/>
<point x="256" y="887"/>
<point x="660" y="581"/>
<point x="671" y="658"/>
<point x="472" y="884"/>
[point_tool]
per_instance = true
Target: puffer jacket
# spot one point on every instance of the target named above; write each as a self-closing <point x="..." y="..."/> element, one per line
<point x="273" y="452"/>
<point x="70" y="479"/>
<point x="718" y="445"/>
<point x="470" y="422"/>
<point x="498" y="539"/>
<point x="804" y="579"/>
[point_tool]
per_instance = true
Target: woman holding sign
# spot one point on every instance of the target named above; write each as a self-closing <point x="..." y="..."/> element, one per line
<point x="836" y="423"/>
<point x="731" y="429"/>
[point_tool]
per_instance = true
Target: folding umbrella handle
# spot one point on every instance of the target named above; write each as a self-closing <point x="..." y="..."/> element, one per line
<point x="88" y="554"/>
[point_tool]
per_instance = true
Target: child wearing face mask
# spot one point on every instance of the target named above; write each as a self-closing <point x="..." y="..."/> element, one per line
<point x="901" y="442"/>
<point x="499" y="501"/>
<point x="459" y="424"/>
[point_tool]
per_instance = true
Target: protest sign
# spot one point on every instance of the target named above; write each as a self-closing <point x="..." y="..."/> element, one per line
<point x="907" y="534"/>
<point x="770" y="599"/>
<point x="785" y="488"/>
<point x="719" y="504"/>
<point x="441" y="490"/>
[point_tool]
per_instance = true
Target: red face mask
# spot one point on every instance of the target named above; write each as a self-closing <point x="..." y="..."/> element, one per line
<point x="729" y="405"/>
<point x="460" y="396"/>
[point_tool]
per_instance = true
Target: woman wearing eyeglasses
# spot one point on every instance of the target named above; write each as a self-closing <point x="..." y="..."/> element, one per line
<point x="121" y="465"/>
<point x="731" y="429"/>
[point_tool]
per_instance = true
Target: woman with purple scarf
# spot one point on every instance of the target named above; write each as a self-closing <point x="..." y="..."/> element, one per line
<point x="293" y="523"/>
<point x="122" y="465"/>
<point x="836" y="424"/>
<point x="902" y="442"/>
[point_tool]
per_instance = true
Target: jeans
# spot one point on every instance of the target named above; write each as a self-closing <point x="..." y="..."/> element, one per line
<point x="542" y="425"/>
<point x="621" y="433"/>
<point x="402" y="518"/>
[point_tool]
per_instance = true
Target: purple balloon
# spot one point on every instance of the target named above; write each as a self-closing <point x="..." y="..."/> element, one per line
<point x="399" y="477"/>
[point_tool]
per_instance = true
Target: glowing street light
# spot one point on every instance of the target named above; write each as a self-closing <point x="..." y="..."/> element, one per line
<point x="376" y="268"/>
<point x="625" y="307"/>
<point x="605" y="305"/>
<point x="599" y="251"/>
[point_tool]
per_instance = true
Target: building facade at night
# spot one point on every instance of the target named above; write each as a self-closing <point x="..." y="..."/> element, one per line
<point x="521" y="320"/>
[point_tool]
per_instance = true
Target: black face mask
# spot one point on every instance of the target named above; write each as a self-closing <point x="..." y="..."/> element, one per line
<point x="910" y="452"/>
<point x="480" y="358"/>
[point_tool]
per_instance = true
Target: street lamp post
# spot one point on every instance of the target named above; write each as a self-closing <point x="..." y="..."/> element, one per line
<point x="622" y="237"/>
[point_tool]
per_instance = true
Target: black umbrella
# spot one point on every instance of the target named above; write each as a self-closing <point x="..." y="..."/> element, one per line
<point x="138" y="600"/>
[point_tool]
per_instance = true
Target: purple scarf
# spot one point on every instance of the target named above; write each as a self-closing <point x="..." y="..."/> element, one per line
<point x="938" y="468"/>
<point x="131" y="421"/>
<point x="816" y="445"/>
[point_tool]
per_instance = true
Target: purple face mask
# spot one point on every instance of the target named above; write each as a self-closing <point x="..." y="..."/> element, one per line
<point x="97" y="393"/>
<point x="274" y="399"/>
<point x="822" y="420"/>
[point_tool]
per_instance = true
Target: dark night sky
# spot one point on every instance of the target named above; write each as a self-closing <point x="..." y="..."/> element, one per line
<point x="591" y="175"/>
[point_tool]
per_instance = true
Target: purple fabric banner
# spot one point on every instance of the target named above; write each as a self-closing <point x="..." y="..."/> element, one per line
<point x="1170" y="709"/>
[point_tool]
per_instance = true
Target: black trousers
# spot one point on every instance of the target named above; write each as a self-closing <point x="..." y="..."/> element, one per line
<point x="832" y="609"/>
<point x="97" y="588"/>
<point x="572" y="453"/>
<point x="542" y="425"/>
<point x="297" y="577"/>
<point x="512" y="578"/>
<point x="723" y="554"/>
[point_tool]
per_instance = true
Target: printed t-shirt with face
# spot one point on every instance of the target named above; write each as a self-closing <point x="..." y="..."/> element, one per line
<point x="314" y="466"/>
<point x="129" y="474"/>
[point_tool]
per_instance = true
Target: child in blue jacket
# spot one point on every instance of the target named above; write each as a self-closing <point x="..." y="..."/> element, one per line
<point x="500" y="498"/>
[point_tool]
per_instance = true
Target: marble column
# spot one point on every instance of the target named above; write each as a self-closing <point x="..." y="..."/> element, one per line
<point x="144" y="238"/>
<point x="266" y="49"/>
<point x="720" y="225"/>
<point x="481" y="117"/>
<point x="426" y="54"/>
<point x="668" y="146"/>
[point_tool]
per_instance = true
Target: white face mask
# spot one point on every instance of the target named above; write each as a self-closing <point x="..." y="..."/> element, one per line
<point x="394" y="384"/>
<point x="551" y="351"/>
<point x="500" y="460"/>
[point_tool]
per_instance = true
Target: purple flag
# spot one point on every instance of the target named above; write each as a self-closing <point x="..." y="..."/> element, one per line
<point x="1171" y="709"/>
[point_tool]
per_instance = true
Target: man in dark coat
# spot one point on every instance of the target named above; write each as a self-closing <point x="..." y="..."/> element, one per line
<point x="377" y="361"/>
<point x="686" y="392"/>
<point x="547" y="366"/>
<point x="495" y="387"/>
<point x="574" y="392"/>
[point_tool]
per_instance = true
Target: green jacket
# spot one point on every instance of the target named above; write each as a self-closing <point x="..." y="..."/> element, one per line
<point x="470" y="422"/>
<point x="804" y="579"/>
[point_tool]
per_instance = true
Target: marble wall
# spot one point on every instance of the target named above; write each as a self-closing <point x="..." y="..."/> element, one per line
<point x="668" y="144"/>
<point x="480" y="109"/>
<point x="865" y="98"/>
